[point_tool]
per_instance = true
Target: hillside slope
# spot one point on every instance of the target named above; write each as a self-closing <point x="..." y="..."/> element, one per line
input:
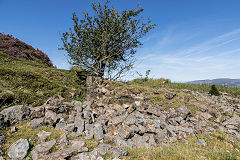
<point x="17" y="48"/>
<point x="27" y="82"/>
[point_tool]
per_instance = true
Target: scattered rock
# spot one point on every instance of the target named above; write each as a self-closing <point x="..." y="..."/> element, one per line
<point x="18" y="150"/>
<point x="206" y="115"/>
<point x="50" y="118"/>
<point x="170" y="95"/>
<point x="37" y="122"/>
<point x="42" y="135"/>
<point x="98" y="131"/>
<point x="37" y="112"/>
<point x="41" y="150"/>
<point x="201" y="142"/>
<point x="15" y="114"/>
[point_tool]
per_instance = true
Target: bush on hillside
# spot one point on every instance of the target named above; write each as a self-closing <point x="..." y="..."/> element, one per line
<point x="214" y="91"/>
<point x="17" y="48"/>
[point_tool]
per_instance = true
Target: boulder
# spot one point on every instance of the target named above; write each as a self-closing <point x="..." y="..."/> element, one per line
<point x="42" y="135"/>
<point x="235" y="120"/>
<point x="89" y="131"/>
<point x="79" y="124"/>
<point x="125" y="132"/>
<point x="62" y="141"/>
<point x="37" y="112"/>
<point x="18" y="150"/>
<point x="51" y="118"/>
<point x="98" y="131"/>
<point x="183" y="112"/>
<point x="15" y="114"/>
<point x="42" y="149"/>
<point x="37" y="122"/>
<point x="84" y="156"/>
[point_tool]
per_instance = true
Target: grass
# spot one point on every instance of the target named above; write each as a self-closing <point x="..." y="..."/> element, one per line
<point x="26" y="82"/>
<point x="165" y="83"/>
<point x="218" y="148"/>
<point x="26" y="132"/>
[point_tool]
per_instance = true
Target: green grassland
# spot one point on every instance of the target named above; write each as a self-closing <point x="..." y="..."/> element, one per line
<point x="166" y="83"/>
<point x="26" y="82"/>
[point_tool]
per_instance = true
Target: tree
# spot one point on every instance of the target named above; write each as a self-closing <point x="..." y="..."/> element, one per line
<point x="214" y="91"/>
<point x="104" y="44"/>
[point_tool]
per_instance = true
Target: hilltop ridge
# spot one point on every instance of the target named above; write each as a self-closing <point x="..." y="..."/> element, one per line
<point x="218" y="81"/>
<point x="17" y="48"/>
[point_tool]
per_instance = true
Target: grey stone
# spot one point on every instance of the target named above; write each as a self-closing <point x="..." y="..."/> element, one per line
<point x="50" y="118"/>
<point x="2" y="140"/>
<point x="118" y="151"/>
<point x="60" y="126"/>
<point x="53" y="102"/>
<point x="102" y="149"/>
<point x="37" y="112"/>
<point x="98" y="131"/>
<point x="62" y="141"/>
<point x="84" y="156"/>
<point x="80" y="124"/>
<point x="206" y="115"/>
<point x="64" y="153"/>
<point x="37" y="122"/>
<point x="235" y="120"/>
<point x="170" y="95"/>
<point x="183" y="111"/>
<point x="89" y="131"/>
<point x="145" y="141"/>
<point x="15" y="114"/>
<point x="201" y="142"/>
<point x="18" y="150"/>
<point x="123" y="143"/>
<point x="42" y="135"/>
<point x="69" y="128"/>
<point x="130" y="120"/>
<point x="156" y="110"/>
<point x="125" y="132"/>
<point x="42" y="149"/>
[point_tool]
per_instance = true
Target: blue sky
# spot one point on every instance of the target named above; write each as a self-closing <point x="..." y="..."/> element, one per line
<point x="194" y="39"/>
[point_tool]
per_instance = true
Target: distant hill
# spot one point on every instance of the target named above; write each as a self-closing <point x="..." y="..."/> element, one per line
<point x="219" y="81"/>
<point x="17" y="48"/>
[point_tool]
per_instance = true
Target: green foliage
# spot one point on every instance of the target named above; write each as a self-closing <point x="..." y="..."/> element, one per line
<point x="214" y="91"/>
<point x="26" y="82"/>
<point x="104" y="44"/>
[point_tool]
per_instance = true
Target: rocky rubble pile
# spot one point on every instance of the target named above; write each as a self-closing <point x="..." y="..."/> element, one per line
<point x="135" y="124"/>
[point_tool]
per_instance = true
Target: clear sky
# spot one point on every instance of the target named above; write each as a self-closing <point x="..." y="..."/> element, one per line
<point x="194" y="39"/>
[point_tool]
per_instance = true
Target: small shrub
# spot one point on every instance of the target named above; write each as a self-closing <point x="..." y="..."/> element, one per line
<point x="214" y="91"/>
